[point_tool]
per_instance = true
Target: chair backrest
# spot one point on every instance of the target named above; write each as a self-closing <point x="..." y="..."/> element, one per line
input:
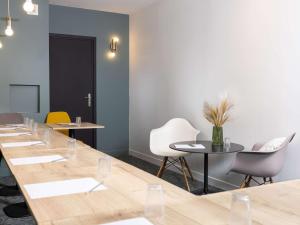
<point x="175" y="130"/>
<point x="262" y="164"/>
<point x="291" y="137"/>
<point x="285" y="144"/>
<point x="276" y="159"/>
<point x="59" y="117"/>
<point x="13" y="118"/>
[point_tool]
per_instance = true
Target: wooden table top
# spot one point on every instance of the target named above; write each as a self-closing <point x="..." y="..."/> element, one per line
<point x="57" y="140"/>
<point x="74" y="126"/>
<point x="276" y="204"/>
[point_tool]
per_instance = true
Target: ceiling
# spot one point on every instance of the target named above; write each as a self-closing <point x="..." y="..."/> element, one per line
<point x="117" y="6"/>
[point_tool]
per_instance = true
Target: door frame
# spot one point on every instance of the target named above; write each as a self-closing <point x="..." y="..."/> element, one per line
<point x="94" y="74"/>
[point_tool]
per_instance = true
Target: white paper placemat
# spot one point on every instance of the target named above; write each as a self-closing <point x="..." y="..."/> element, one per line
<point x="192" y="146"/>
<point x="16" y="125"/>
<point x="134" y="221"/>
<point x="15" y="134"/>
<point x="8" y="128"/>
<point x="67" y="124"/>
<point x="37" y="159"/>
<point x="21" y="144"/>
<point x="65" y="187"/>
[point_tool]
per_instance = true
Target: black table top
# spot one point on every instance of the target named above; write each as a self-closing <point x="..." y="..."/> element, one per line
<point x="209" y="148"/>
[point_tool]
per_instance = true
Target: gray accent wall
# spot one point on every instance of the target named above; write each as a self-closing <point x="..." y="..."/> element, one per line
<point x="24" y="58"/>
<point x="112" y="74"/>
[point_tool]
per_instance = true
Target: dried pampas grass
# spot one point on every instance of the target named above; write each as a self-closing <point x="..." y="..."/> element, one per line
<point x="218" y="115"/>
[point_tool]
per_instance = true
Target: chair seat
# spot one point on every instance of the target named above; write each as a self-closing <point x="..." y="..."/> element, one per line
<point x="256" y="164"/>
<point x="170" y="153"/>
<point x="248" y="171"/>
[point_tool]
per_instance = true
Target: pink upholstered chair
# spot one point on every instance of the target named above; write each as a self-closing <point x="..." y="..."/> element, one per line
<point x="261" y="161"/>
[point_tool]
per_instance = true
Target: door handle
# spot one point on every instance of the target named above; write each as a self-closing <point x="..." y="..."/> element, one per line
<point x="89" y="99"/>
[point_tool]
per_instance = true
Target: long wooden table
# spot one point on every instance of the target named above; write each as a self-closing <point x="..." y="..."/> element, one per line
<point x="276" y="204"/>
<point x="73" y="126"/>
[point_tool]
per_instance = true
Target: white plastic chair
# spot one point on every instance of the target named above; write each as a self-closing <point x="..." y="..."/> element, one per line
<point x="176" y="130"/>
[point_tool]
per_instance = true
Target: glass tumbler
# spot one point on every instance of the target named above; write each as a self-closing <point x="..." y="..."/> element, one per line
<point x="71" y="148"/>
<point x="227" y="143"/>
<point x="240" y="212"/>
<point x="47" y="136"/>
<point x="104" y="168"/>
<point x="30" y="124"/>
<point x="35" y="128"/>
<point x="155" y="204"/>
<point x="26" y="121"/>
<point x="78" y="120"/>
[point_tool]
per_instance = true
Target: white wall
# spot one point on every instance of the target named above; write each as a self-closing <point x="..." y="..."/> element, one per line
<point x="186" y="52"/>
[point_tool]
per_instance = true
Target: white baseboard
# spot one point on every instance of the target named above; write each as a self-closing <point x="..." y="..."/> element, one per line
<point x="197" y="175"/>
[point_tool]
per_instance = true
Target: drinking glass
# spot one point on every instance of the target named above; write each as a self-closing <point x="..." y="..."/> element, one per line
<point x="26" y="121"/>
<point x="78" y="120"/>
<point x="104" y="168"/>
<point x="35" y="128"/>
<point x="71" y="148"/>
<point x="155" y="204"/>
<point x="240" y="213"/>
<point x="47" y="136"/>
<point x="227" y="143"/>
<point x="30" y="124"/>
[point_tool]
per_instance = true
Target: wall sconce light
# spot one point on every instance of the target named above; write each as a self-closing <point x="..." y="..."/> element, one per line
<point x="28" y="6"/>
<point x="113" y="46"/>
<point x="1" y="45"/>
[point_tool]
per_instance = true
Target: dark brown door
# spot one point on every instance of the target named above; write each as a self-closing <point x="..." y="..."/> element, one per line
<point x="73" y="80"/>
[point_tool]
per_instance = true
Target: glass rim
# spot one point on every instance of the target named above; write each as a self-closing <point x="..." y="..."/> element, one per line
<point x="155" y="187"/>
<point x="105" y="158"/>
<point x="240" y="196"/>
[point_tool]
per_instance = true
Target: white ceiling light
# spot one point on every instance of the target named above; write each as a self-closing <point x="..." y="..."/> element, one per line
<point x="28" y="6"/>
<point x="8" y="31"/>
<point x="1" y="45"/>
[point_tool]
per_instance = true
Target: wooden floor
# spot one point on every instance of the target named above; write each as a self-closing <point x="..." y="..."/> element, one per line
<point x="169" y="176"/>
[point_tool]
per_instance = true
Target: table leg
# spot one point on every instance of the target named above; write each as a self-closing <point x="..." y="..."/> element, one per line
<point x="72" y="133"/>
<point x="205" y="188"/>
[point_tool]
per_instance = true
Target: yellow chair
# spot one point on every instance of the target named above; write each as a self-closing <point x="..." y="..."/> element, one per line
<point x="59" y="117"/>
